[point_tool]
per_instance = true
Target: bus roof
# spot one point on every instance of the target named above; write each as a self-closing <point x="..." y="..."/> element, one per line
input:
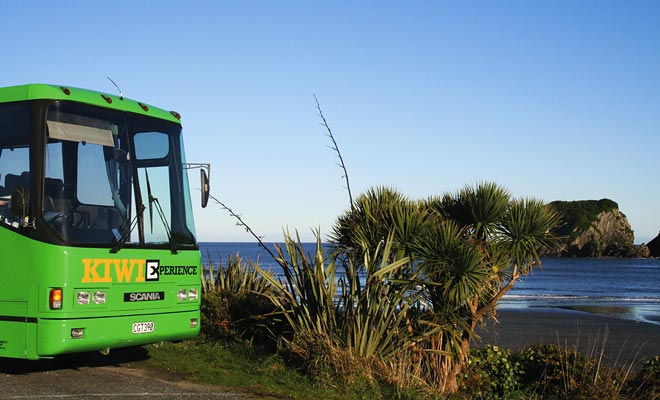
<point x="36" y="91"/>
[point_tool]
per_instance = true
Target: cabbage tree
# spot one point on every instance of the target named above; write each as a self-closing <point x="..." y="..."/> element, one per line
<point x="465" y="250"/>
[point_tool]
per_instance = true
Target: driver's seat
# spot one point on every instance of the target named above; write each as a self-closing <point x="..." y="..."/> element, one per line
<point x="54" y="199"/>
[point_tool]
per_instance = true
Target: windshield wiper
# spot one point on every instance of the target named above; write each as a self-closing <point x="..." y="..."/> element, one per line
<point x="154" y="200"/>
<point x="126" y="233"/>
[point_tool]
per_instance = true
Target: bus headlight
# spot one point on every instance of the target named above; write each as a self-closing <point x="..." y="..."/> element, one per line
<point x="82" y="297"/>
<point x="99" y="297"/>
<point x="183" y="294"/>
<point x="192" y="294"/>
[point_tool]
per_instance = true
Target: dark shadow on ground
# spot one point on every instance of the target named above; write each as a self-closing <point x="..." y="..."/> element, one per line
<point x="12" y="366"/>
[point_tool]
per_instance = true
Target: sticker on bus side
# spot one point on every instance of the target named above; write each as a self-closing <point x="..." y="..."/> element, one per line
<point x="108" y="270"/>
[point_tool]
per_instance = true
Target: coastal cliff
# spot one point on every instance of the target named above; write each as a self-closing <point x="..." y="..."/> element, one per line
<point x="654" y="246"/>
<point x="595" y="228"/>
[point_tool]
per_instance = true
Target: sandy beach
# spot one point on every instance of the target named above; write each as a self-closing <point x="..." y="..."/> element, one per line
<point x="621" y="341"/>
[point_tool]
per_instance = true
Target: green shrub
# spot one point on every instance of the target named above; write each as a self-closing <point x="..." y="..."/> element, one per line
<point x="492" y="373"/>
<point x="234" y="303"/>
<point x="555" y="372"/>
<point x="216" y="322"/>
<point x="646" y="384"/>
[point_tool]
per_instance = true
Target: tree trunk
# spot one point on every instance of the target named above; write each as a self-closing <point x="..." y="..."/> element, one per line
<point x="451" y="382"/>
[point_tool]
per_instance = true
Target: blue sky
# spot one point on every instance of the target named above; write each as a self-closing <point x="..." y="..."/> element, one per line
<point x="555" y="100"/>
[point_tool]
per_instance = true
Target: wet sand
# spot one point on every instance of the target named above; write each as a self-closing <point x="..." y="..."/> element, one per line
<point x="622" y="342"/>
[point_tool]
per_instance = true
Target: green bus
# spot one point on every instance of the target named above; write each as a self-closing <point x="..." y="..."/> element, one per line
<point x="97" y="238"/>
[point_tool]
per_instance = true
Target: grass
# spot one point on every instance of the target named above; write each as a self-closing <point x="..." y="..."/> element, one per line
<point x="539" y="372"/>
<point x="239" y="368"/>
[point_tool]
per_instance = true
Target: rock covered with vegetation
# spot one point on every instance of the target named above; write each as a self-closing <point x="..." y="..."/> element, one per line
<point x="594" y="228"/>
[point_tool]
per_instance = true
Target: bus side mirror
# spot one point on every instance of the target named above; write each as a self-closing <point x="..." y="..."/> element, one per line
<point x="206" y="190"/>
<point x="19" y="200"/>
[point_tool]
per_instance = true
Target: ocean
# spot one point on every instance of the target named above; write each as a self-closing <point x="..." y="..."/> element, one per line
<point x="624" y="288"/>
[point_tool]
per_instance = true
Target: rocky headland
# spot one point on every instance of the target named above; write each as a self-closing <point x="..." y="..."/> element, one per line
<point x="595" y="228"/>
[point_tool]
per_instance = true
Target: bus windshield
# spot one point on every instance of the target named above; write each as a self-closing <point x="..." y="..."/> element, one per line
<point x="115" y="178"/>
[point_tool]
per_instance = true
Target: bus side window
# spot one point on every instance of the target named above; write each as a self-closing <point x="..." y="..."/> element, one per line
<point x="5" y="195"/>
<point x="14" y="166"/>
<point x="13" y="182"/>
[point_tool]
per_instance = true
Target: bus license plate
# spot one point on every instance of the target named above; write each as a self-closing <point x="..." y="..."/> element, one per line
<point x="143" y="327"/>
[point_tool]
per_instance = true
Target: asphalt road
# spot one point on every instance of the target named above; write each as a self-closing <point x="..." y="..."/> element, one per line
<point x="94" y="376"/>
